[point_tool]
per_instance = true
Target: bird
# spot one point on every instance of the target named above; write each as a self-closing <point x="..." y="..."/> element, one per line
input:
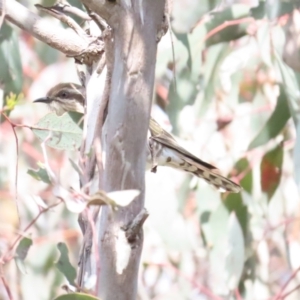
<point x="162" y="147"/>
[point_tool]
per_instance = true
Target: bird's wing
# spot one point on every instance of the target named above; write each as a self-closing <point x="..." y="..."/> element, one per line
<point x="162" y="136"/>
<point x="190" y="162"/>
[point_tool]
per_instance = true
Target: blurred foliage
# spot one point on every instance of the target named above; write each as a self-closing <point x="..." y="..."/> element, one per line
<point x="231" y="92"/>
<point x="63" y="264"/>
<point x="40" y="174"/>
<point x="10" y="61"/>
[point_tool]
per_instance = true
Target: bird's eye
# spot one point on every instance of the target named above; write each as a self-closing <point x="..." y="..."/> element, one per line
<point x="64" y="94"/>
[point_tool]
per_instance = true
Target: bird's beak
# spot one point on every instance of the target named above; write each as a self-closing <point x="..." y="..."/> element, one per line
<point x="43" y="100"/>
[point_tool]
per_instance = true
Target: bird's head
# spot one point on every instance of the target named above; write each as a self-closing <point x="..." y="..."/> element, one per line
<point x="65" y="97"/>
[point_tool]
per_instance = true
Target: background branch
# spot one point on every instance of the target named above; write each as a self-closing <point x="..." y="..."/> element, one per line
<point x="64" y="40"/>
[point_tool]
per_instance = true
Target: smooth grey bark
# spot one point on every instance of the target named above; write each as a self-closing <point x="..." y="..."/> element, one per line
<point x="135" y="28"/>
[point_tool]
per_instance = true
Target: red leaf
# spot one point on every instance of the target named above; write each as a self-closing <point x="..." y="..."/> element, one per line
<point x="271" y="167"/>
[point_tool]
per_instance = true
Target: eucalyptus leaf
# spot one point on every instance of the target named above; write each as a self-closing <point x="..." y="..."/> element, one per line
<point x="271" y="169"/>
<point x="40" y="175"/>
<point x="113" y="199"/>
<point x="215" y="57"/>
<point x="235" y="253"/>
<point x="60" y="132"/>
<point x="75" y="167"/>
<point x="243" y="167"/>
<point x="228" y="32"/>
<point x="76" y="296"/>
<point x="291" y="86"/>
<point x="21" y="253"/>
<point x="11" y="73"/>
<point x="234" y="203"/>
<point x="218" y="222"/>
<point x="272" y="9"/>
<point x="276" y="122"/>
<point x="63" y="264"/>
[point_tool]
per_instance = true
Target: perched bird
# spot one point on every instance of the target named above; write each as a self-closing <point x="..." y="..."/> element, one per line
<point x="162" y="148"/>
<point x="65" y="97"/>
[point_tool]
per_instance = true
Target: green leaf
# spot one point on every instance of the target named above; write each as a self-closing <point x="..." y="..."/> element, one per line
<point x="11" y="74"/>
<point x="23" y="248"/>
<point x="75" y="167"/>
<point x="235" y="253"/>
<point x="183" y="22"/>
<point x="234" y="203"/>
<point x="271" y="168"/>
<point x="215" y="57"/>
<point x="60" y="132"/>
<point x="228" y="33"/>
<point x="273" y="11"/>
<point x="243" y="167"/>
<point x="77" y="296"/>
<point x="184" y="93"/>
<point x="40" y="174"/>
<point x="218" y="223"/>
<point x="291" y="86"/>
<point x="64" y="265"/>
<point x="21" y="253"/>
<point x="183" y="38"/>
<point x="276" y="122"/>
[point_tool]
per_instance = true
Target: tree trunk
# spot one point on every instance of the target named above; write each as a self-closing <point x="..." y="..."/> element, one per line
<point x="125" y="136"/>
<point x="135" y="26"/>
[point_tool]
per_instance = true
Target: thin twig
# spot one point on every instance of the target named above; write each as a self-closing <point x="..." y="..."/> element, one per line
<point x="227" y="24"/>
<point x="4" y="258"/>
<point x="17" y="165"/>
<point x="58" y="14"/>
<point x="92" y="221"/>
<point x="107" y="37"/>
<point x="97" y="157"/>
<point x="290" y="292"/>
<point x="96" y="18"/>
<point x="280" y="294"/>
<point x="5" y="284"/>
<point x="67" y="8"/>
<point x="237" y="294"/>
<point x="108" y="46"/>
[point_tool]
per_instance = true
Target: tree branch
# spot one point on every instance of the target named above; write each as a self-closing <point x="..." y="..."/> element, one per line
<point x="134" y="229"/>
<point x="103" y="8"/>
<point x="64" y="40"/>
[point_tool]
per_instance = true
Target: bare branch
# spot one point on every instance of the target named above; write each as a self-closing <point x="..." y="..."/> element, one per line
<point x="57" y="13"/>
<point x="5" y="284"/>
<point x="64" y="40"/>
<point x="96" y="18"/>
<point x="133" y="230"/>
<point x="65" y="7"/>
